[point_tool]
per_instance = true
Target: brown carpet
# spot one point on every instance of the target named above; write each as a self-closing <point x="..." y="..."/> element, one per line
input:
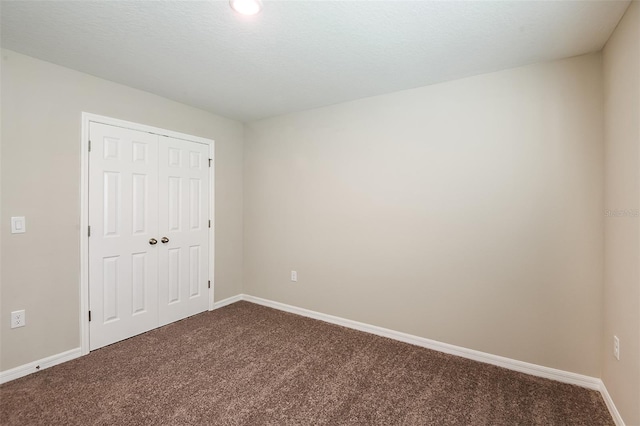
<point x="250" y="365"/>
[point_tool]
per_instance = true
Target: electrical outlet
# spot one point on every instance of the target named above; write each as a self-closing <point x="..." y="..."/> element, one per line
<point x="294" y="276"/>
<point x="18" y="319"/>
<point x="616" y="347"/>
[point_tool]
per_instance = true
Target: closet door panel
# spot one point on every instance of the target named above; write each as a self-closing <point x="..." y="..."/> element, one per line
<point x="183" y="193"/>
<point x="123" y="206"/>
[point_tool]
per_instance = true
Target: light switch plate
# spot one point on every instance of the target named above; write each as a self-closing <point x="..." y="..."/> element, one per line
<point x="18" y="225"/>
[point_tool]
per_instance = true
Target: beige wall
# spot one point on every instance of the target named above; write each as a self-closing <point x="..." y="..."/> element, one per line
<point x="468" y="212"/>
<point x="41" y="113"/>
<point x="621" y="59"/>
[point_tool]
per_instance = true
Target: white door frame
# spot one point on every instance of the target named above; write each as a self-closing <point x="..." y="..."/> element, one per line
<point x="88" y="118"/>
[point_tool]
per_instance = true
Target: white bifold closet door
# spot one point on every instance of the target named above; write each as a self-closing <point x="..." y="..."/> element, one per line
<point x="149" y="238"/>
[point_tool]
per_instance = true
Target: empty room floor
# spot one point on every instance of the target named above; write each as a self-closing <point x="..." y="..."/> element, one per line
<point x="246" y="364"/>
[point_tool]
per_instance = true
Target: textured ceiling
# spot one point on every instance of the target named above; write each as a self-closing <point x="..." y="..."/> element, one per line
<point x="298" y="55"/>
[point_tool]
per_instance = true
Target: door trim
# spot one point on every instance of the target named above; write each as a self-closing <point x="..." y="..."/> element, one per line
<point x="88" y="118"/>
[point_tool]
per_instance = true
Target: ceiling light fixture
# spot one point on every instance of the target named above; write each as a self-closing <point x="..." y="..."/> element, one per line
<point x="246" y="7"/>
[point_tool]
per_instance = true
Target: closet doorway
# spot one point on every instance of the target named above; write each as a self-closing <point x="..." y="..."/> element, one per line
<point x="148" y="243"/>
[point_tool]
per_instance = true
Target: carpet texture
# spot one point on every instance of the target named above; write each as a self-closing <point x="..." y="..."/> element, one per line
<point x="250" y="365"/>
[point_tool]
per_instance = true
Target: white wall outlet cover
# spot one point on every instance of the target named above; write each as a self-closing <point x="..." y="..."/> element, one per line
<point x="18" y="319"/>
<point x="294" y="276"/>
<point x="18" y="225"/>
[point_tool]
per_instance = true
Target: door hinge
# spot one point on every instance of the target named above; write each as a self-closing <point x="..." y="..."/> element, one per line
<point x="89" y="316"/>
<point x="89" y="145"/>
<point x="209" y="285"/>
<point x="210" y="159"/>
<point x="89" y="231"/>
<point x="209" y="223"/>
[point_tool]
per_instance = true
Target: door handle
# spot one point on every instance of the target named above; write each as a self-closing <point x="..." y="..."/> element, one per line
<point x="153" y="241"/>
<point x="164" y="240"/>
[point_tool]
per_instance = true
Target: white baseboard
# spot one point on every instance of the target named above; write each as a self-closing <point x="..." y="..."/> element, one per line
<point x="511" y="364"/>
<point x="617" y="418"/>
<point x="228" y="301"/>
<point x="35" y="366"/>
